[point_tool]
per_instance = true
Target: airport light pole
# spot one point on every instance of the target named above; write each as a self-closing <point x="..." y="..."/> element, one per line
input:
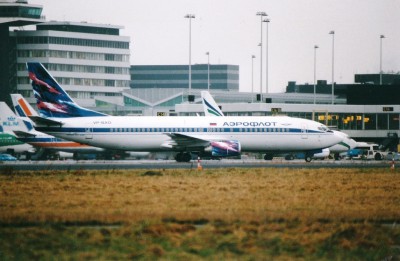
<point x="380" y="60"/>
<point x="208" y="70"/>
<point x="315" y="69"/>
<point x="252" y="78"/>
<point x="333" y="65"/>
<point x="190" y="16"/>
<point x="266" y="58"/>
<point x="261" y="14"/>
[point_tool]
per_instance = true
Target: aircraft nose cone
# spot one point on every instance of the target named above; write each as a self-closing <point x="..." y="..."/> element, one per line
<point x="338" y="136"/>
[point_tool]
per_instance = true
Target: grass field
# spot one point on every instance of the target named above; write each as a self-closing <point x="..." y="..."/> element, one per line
<point x="246" y="214"/>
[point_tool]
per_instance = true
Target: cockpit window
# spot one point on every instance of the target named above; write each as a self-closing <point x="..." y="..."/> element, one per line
<point x="324" y="128"/>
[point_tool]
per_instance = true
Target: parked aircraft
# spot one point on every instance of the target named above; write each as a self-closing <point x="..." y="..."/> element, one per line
<point x="211" y="108"/>
<point x="218" y="136"/>
<point x="10" y="144"/>
<point x="49" y="144"/>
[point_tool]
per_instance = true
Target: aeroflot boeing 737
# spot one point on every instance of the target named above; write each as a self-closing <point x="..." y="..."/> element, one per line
<point x="218" y="136"/>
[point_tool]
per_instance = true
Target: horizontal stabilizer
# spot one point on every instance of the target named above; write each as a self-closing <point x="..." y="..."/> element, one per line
<point x="24" y="134"/>
<point x="44" y="121"/>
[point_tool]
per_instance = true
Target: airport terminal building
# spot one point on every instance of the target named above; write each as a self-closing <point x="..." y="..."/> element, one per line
<point x="90" y="61"/>
<point x="217" y="76"/>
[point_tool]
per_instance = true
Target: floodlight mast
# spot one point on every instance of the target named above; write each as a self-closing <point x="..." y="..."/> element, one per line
<point x="380" y="59"/>
<point x="190" y="17"/>
<point x="261" y="14"/>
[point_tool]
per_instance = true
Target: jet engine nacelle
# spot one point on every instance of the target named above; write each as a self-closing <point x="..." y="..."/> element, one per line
<point x="226" y="148"/>
<point x="323" y="154"/>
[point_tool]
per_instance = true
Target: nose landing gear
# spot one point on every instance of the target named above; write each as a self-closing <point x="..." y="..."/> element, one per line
<point x="183" y="157"/>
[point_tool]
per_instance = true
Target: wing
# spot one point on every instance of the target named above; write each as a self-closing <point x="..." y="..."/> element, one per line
<point x="182" y="142"/>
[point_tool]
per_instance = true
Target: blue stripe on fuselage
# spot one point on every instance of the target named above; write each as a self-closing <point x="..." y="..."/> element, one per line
<point x="39" y="139"/>
<point x="180" y="130"/>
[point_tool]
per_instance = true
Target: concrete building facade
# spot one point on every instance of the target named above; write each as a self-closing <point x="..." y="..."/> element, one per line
<point x="90" y="61"/>
<point x="220" y="76"/>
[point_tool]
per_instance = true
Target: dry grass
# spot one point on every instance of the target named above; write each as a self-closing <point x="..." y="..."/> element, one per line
<point x="222" y="214"/>
<point x="232" y="194"/>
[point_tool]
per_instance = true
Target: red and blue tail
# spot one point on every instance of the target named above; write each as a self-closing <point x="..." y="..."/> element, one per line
<point x="51" y="99"/>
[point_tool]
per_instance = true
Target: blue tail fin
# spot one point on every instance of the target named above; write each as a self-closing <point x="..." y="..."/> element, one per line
<point x="51" y="99"/>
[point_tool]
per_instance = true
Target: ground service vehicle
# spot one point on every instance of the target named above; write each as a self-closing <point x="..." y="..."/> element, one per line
<point x="368" y="151"/>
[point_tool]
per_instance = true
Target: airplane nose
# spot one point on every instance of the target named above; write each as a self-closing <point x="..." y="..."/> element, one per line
<point x="338" y="136"/>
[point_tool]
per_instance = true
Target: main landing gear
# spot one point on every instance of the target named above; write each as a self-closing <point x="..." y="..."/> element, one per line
<point x="308" y="157"/>
<point x="183" y="157"/>
<point x="268" y="156"/>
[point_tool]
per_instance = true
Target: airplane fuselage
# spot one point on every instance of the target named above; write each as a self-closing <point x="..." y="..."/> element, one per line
<point x="45" y="141"/>
<point x="8" y="142"/>
<point x="269" y="133"/>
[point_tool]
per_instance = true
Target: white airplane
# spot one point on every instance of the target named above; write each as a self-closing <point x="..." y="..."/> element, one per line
<point x="211" y="108"/>
<point x="25" y="131"/>
<point x="50" y="143"/>
<point x="203" y="135"/>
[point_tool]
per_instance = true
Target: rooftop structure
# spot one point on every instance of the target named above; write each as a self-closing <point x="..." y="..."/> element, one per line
<point x="367" y="90"/>
<point x="19" y="13"/>
<point x="374" y="78"/>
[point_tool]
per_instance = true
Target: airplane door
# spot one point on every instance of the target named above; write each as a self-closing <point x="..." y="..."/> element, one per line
<point x="88" y="133"/>
<point x="304" y="134"/>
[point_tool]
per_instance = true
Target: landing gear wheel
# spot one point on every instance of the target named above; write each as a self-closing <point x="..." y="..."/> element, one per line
<point x="183" y="157"/>
<point x="308" y="158"/>
<point x="378" y="156"/>
<point x="178" y="157"/>
<point x="268" y="157"/>
<point x="289" y="157"/>
<point x="186" y="157"/>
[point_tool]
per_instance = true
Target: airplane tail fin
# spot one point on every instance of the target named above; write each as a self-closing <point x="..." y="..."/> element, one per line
<point x="52" y="100"/>
<point x="22" y="107"/>
<point x="209" y="105"/>
<point x="10" y="121"/>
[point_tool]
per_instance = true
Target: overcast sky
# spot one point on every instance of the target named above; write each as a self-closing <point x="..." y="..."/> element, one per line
<point x="231" y="31"/>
